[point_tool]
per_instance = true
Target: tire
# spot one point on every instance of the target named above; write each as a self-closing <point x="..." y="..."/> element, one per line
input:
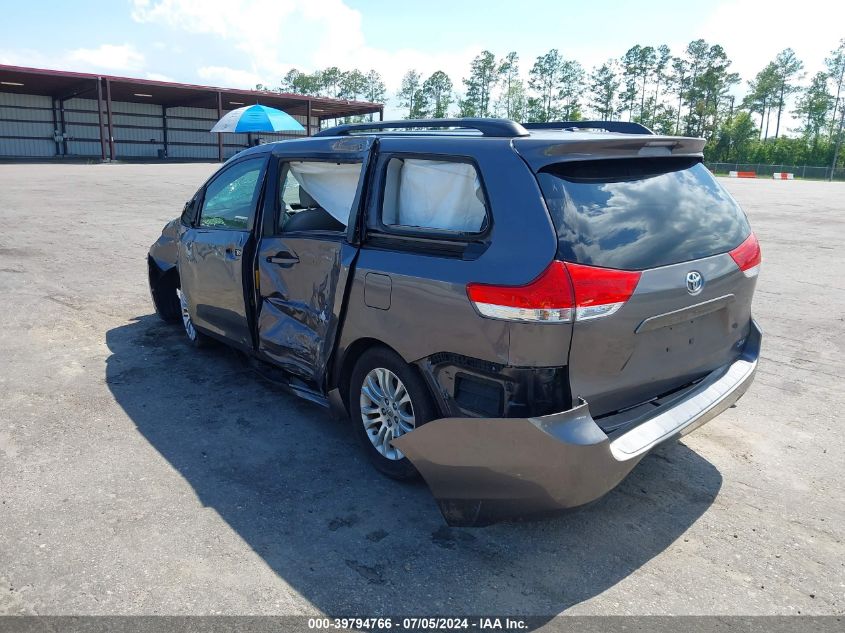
<point x="195" y="338"/>
<point x="376" y="367"/>
<point x="165" y="297"/>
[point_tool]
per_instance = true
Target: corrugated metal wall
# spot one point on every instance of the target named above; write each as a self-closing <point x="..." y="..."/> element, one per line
<point x="26" y="125"/>
<point x="31" y="127"/>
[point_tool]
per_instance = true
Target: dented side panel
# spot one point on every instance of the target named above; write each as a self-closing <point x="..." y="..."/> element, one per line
<point x="165" y="250"/>
<point x="300" y="301"/>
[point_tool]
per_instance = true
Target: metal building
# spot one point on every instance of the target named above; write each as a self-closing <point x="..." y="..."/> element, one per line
<point x="59" y="114"/>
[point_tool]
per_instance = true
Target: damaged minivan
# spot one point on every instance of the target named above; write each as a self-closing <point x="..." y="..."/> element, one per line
<point x="519" y="313"/>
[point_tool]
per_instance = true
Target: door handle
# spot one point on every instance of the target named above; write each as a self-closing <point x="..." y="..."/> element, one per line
<point x="234" y="252"/>
<point x="283" y="259"/>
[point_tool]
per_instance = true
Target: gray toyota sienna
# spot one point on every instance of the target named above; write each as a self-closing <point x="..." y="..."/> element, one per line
<point x="519" y="313"/>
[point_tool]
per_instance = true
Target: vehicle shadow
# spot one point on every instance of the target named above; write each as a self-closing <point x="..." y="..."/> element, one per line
<point x="294" y="486"/>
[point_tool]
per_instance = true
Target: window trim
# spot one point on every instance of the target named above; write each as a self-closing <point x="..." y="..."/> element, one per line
<point x="280" y="171"/>
<point x="379" y="229"/>
<point x="250" y="224"/>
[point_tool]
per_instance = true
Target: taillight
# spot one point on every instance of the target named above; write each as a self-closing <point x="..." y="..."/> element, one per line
<point x="564" y="292"/>
<point x="747" y="256"/>
<point x="548" y="298"/>
<point x="600" y="291"/>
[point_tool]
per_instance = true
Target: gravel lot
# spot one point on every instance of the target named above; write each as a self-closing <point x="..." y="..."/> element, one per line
<point x="140" y="477"/>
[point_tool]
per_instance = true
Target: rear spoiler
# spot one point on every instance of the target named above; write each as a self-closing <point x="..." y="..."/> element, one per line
<point x="619" y="127"/>
<point x="539" y="152"/>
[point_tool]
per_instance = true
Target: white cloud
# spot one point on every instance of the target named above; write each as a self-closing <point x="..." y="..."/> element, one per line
<point x="158" y="77"/>
<point x="754" y="33"/>
<point x="277" y="35"/>
<point x="229" y="77"/>
<point x="109" y="57"/>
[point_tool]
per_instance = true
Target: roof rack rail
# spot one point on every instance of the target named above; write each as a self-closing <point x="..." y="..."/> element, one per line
<point x="503" y="128"/>
<point x="621" y="127"/>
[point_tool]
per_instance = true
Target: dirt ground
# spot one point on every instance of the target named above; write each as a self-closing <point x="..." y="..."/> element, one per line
<point x="138" y="476"/>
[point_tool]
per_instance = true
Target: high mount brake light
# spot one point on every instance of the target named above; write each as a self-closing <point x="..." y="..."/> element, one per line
<point x="748" y="256"/>
<point x="563" y="293"/>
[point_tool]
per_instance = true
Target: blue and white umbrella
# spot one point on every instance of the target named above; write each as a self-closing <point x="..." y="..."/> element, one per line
<point x="257" y="118"/>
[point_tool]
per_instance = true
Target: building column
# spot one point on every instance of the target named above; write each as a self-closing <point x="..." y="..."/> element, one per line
<point x="164" y="129"/>
<point x="308" y="118"/>
<point x="381" y="115"/>
<point x="63" y="125"/>
<point x="58" y="143"/>
<point x="111" y="125"/>
<point x="100" y="118"/>
<point x="219" y="134"/>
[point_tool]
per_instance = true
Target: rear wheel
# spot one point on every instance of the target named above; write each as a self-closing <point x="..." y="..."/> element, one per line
<point x="195" y="337"/>
<point x="387" y="399"/>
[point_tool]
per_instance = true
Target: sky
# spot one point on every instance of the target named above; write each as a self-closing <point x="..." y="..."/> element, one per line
<point x="239" y="43"/>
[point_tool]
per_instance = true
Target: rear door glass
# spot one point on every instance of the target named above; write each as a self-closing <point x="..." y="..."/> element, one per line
<point x="640" y="213"/>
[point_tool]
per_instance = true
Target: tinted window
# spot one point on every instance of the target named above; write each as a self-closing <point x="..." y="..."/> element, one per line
<point x="640" y="213"/>
<point x="433" y="194"/>
<point x="230" y="198"/>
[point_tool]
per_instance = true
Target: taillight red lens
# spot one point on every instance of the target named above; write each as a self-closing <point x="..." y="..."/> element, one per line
<point x="564" y="292"/>
<point x="547" y="298"/>
<point x="600" y="291"/>
<point x="748" y="256"/>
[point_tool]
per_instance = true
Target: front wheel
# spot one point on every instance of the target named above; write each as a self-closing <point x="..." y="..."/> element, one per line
<point x="195" y="337"/>
<point x="164" y="294"/>
<point x="387" y="399"/>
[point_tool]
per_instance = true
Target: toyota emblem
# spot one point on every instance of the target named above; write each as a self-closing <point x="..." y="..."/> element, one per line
<point x="695" y="282"/>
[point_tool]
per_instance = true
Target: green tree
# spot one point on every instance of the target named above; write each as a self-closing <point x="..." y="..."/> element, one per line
<point x="410" y="93"/>
<point x="631" y="63"/>
<point x="679" y="84"/>
<point x="571" y="82"/>
<point x="436" y="95"/>
<point x="604" y="90"/>
<point x="330" y="82"/>
<point x="788" y="66"/>
<point x="836" y="71"/>
<point x="735" y="139"/>
<point x="760" y="96"/>
<point x="544" y="80"/>
<point x="479" y="85"/>
<point x="661" y="67"/>
<point x="353" y="85"/>
<point x="813" y="107"/>
<point x="300" y="83"/>
<point x="512" y="100"/>
<point x="374" y="90"/>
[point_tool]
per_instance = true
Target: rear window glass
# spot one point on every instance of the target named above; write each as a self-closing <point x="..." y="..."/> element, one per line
<point x="640" y="213"/>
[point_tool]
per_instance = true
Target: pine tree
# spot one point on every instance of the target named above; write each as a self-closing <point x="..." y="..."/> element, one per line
<point x="479" y="85"/>
<point x="410" y="93"/>
<point x="788" y="66"/>
<point x="604" y="90"/>
<point x="436" y="95"/>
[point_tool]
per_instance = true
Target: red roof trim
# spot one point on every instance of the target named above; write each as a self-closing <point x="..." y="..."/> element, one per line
<point x="172" y="84"/>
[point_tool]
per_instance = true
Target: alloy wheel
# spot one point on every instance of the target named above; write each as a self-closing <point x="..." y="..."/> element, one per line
<point x="190" y="330"/>
<point x="386" y="411"/>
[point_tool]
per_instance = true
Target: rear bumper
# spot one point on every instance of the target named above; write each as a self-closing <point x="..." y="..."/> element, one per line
<point x="482" y="471"/>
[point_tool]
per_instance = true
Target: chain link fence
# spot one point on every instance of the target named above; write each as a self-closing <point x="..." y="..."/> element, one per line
<point x="762" y="170"/>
